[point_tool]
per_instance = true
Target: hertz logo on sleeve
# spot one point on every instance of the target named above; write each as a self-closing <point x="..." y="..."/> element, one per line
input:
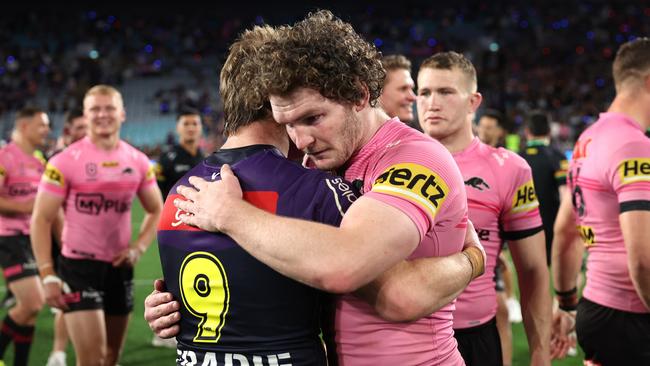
<point x="525" y="198"/>
<point x="634" y="170"/>
<point x="2" y="171"/>
<point x="415" y="183"/>
<point x="53" y="175"/>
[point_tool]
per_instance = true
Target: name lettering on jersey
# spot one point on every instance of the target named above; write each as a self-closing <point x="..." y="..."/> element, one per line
<point x="580" y="150"/>
<point x="415" y="183"/>
<point x="191" y="358"/>
<point x="634" y="170"/>
<point x="53" y="175"/>
<point x="587" y="234"/>
<point x="525" y="198"/>
<point x="110" y="164"/>
<point x="21" y="189"/>
<point x="96" y="203"/>
<point x="341" y="188"/>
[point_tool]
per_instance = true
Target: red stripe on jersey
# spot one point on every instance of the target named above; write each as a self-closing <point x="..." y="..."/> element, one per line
<point x="170" y="218"/>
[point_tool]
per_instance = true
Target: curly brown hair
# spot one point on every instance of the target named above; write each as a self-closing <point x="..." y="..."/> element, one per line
<point x="323" y="53"/>
<point x="244" y="102"/>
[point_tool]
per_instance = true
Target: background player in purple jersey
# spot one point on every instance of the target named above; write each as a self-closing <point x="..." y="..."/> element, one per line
<point x="502" y="205"/>
<point x="19" y="176"/>
<point x="609" y="180"/>
<point x="96" y="179"/>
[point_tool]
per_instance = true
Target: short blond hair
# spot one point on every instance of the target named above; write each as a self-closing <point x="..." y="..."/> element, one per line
<point x="632" y="61"/>
<point x="103" y="89"/>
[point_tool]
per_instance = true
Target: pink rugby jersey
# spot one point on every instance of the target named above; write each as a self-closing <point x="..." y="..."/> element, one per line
<point x="609" y="175"/>
<point x="502" y="206"/>
<point x="410" y="171"/>
<point x="19" y="176"/>
<point x="99" y="187"/>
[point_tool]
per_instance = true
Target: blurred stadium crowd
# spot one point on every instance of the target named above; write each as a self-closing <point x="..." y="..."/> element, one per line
<point x="551" y="56"/>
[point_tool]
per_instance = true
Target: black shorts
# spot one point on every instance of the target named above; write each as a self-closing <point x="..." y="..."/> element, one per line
<point x="16" y="257"/>
<point x="97" y="285"/>
<point x="613" y="337"/>
<point x="480" y="345"/>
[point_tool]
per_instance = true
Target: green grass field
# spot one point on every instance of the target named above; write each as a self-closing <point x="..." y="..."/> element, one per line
<point x="138" y="349"/>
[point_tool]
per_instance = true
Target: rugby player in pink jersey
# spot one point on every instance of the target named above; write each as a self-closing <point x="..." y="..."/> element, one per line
<point x="609" y="180"/>
<point x="96" y="180"/>
<point x="502" y="205"/>
<point x="413" y="204"/>
<point x="20" y="171"/>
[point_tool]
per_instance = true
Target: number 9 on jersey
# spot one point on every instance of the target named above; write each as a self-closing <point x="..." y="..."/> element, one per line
<point x="205" y="294"/>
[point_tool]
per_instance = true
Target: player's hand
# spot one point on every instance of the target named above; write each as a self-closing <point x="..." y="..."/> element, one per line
<point x="54" y="295"/>
<point x="161" y="311"/>
<point x="127" y="257"/>
<point x="207" y="204"/>
<point x="561" y="340"/>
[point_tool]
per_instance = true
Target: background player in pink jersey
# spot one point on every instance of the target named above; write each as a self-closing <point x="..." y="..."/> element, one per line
<point x="75" y="127"/>
<point x="609" y="179"/>
<point x="397" y="97"/>
<point x="502" y="206"/>
<point x="413" y="205"/>
<point x="97" y="179"/>
<point x="19" y="175"/>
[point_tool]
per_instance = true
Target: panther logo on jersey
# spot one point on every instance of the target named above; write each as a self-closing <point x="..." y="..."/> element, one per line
<point x="477" y="182"/>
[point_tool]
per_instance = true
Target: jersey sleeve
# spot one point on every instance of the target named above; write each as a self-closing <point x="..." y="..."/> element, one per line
<point x="54" y="179"/>
<point x="419" y="179"/>
<point x="335" y="196"/>
<point x="629" y="175"/>
<point x="520" y="216"/>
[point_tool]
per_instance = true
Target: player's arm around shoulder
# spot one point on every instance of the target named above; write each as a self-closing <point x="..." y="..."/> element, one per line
<point x="413" y="289"/>
<point x="373" y="236"/>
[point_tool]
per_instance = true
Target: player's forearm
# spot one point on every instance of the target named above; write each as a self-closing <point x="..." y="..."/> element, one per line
<point x="640" y="274"/>
<point x="566" y="259"/>
<point x="318" y="255"/>
<point x="414" y="289"/>
<point x="147" y="231"/>
<point x="41" y="239"/>
<point x="537" y="313"/>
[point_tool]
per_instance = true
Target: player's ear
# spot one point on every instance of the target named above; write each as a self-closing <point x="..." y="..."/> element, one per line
<point x="365" y="97"/>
